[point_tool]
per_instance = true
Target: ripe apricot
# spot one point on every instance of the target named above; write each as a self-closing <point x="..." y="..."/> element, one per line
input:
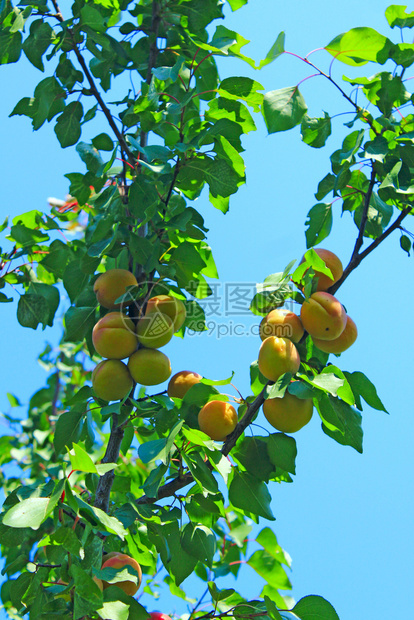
<point x="167" y="304"/>
<point x="114" y="336"/>
<point x="333" y="263"/>
<point x="181" y="382"/>
<point x="111" y="380"/>
<point x="323" y="316"/>
<point x="155" y="330"/>
<point x="343" y="342"/>
<point x="277" y="356"/>
<point x="283" y="324"/>
<point x="111" y="285"/>
<point x="119" y="561"/>
<point x="157" y="615"/>
<point x="289" y="413"/>
<point x="217" y="419"/>
<point x="149" y="367"/>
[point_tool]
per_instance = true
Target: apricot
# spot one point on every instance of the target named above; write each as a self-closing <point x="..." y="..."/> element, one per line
<point x="217" y="419"/>
<point x="157" y="615"/>
<point x="111" y="380"/>
<point x="277" y="356"/>
<point x="111" y="285"/>
<point x="333" y="263"/>
<point x="289" y="413"/>
<point x="119" y="561"/>
<point x="343" y="342"/>
<point x="323" y="316"/>
<point x="181" y="382"/>
<point x="149" y="367"/>
<point x="114" y="336"/>
<point x="167" y="304"/>
<point x="283" y="324"/>
<point x="155" y="330"/>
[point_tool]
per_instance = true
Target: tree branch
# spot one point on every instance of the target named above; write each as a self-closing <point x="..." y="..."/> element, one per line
<point x="356" y="260"/>
<point x="94" y="89"/>
<point x="169" y="489"/>
<point x="111" y="456"/>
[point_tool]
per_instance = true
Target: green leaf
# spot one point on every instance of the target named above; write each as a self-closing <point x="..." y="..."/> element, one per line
<point x="50" y="294"/>
<point x="270" y="569"/>
<point x="200" y="542"/>
<point x="88" y="596"/>
<point x="188" y="263"/>
<point x="319" y="223"/>
<point x="275" y="51"/>
<point x="267" y="539"/>
<point x="283" y="109"/>
<point x="396" y="16"/>
<point x="362" y="386"/>
<point x="282" y="451"/>
<point x="341" y="422"/>
<point x="252" y="453"/>
<point x="92" y="18"/>
<point x="248" y="493"/>
<point x="36" y="44"/>
<point x="178" y="562"/>
<point x="74" y="279"/>
<point x="236" y="4"/>
<point x="377" y="148"/>
<point x="81" y="461"/>
<point x="10" y="47"/>
<point x="314" y="607"/>
<point x="68" y="428"/>
<point x="32" y="310"/>
<point x="28" y="513"/>
<point x="110" y="524"/>
<point x="315" y="131"/>
<point x="79" y="322"/>
<point x="405" y="243"/>
<point x="68" y="127"/>
<point x="360" y="45"/>
<point x="103" y="142"/>
<point x="201" y="472"/>
<point x="242" y="88"/>
<point x="327" y="381"/>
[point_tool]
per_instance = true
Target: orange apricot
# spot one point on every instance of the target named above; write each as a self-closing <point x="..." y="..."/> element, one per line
<point x="277" y="356"/>
<point x="149" y="367"/>
<point x="119" y="561"/>
<point x="114" y="336"/>
<point x="289" y="413"/>
<point x="343" y="342"/>
<point x="323" y="316"/>
<point x="111" y="285"/>
<point x="111" y="380"/>
<point x="333" y="263"/>
<point x="167" y="304"/>
<point x="283" y="324"/>
<point x="217" y="419"/>
<point x="181" y="382"/>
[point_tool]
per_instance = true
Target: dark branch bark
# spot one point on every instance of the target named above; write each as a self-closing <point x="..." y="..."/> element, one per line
<point x="111" y="456"/>
<point x="169" y="489"/>
<point x="94" y="90"/>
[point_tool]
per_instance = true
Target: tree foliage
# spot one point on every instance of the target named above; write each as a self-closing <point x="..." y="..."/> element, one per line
<point x="138" y="475"/>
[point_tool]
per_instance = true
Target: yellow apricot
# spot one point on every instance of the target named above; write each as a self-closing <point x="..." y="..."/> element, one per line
<point x="119" y="561"/>
<point x="217" y="419"/>
<point x="111" y="380"/>
<point x="343" y="342"/>
<point x="277" y="356"/>
<point x="149" y="367"/>
<point x="333" y="263"/>
<point x="181" y="382"/>
<point x="167" y="304"/>
<point x="289" y="413"/>
<point x="111" y="285"/>
<point x="114" y="336"/>
<point x="155" y="330"/>
<point x="283" y="324"/>
<point x="323" y="316"/>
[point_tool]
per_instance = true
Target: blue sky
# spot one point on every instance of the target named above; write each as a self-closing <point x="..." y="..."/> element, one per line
<point x="347" y="518"/>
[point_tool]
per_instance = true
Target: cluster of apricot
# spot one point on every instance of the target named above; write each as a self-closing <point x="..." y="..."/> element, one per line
<point x="116" y="337"/>
<point x="331" y="329"/>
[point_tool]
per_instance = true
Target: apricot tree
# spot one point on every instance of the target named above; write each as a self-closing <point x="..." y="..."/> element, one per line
<point x="130" y="471"/>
